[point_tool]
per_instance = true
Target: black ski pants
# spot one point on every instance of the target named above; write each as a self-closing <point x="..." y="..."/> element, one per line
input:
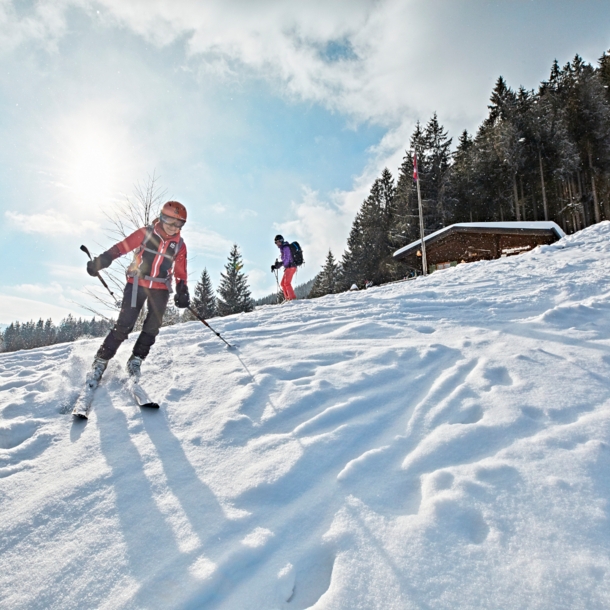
<point x="128" y="316"/>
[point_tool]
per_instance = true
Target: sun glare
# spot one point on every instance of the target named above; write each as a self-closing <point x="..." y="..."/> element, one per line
<point x="93" y="161"/>
<point x="92" y="164"/>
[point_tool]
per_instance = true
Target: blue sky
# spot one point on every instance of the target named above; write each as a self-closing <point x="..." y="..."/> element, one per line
<point x="259" y="116"/>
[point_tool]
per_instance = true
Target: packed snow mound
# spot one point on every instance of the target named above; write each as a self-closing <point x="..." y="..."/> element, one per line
<point x="439" y="443"/>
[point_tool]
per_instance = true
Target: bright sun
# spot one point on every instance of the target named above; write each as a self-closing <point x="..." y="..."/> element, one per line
<point x="92" y="160"/>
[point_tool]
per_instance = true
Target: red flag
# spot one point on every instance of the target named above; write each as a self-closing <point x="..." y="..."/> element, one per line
<point x="415" y="167"/>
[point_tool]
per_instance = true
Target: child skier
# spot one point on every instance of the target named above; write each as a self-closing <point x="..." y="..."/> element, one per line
<point x="289" y="265"/>
<point x="160" y="253"/>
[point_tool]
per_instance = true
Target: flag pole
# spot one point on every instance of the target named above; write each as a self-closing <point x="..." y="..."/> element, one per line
<point x="421" y="216"/>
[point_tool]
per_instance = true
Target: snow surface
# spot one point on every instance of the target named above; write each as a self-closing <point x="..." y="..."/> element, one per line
<point x="439" y="443"/>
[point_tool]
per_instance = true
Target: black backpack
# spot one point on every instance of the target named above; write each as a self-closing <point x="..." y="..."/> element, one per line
<point x="297" y="253"/>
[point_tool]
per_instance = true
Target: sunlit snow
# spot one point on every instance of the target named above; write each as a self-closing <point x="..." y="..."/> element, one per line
<point x="438" y="443"/>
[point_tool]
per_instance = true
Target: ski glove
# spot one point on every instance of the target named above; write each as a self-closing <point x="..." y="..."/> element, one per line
<point x="276" y="265"/>
<point x="181" y="298"/>
<point x="99" y="262"/>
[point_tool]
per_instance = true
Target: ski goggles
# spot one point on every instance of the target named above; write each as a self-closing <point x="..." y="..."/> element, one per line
<point x="172" y="222"/>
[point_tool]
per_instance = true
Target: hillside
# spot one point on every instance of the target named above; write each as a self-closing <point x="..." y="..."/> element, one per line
<point x="439" y="443"/>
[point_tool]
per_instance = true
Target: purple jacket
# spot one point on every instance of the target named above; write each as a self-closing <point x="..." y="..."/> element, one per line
<point x="287" y="259"/>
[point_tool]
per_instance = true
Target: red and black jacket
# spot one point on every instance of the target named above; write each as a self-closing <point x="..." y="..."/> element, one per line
<point x="158" y="255"/>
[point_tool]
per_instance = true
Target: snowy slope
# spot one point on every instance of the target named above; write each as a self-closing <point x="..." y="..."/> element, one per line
<point x="440" y="443"/>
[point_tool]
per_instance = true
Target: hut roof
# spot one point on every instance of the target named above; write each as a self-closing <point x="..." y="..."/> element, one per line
<point x="485" y="227"/>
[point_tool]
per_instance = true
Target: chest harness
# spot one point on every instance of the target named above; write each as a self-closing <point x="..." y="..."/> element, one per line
<point x="134" y="270"/>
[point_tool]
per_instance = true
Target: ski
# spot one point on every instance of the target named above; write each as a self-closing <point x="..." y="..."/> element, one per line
<point x="139" y="394"/>
<point x="84" y="401"/>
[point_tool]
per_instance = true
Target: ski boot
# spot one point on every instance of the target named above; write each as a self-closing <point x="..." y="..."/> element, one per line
<point x="83" y="403"/>
<point x="133" y="366"/>
<point x="97" y="369"/>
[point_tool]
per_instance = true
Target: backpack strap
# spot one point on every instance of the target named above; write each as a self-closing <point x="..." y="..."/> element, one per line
<point x="149" y="231"/>
<point x="134" y="287"/>
<point x="170" y="256"/>
<point x="162" y="280"/>
<point x="136" y="273"/>
<point x="180" y="244"/>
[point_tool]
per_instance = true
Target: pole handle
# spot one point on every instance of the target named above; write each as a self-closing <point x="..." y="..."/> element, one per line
<point x="100" y="278"/>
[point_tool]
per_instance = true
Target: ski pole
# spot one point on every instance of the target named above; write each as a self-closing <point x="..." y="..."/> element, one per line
<point x="277" y="281"/>
<point x="101" y="279"/>
<point x="196" y="314"/>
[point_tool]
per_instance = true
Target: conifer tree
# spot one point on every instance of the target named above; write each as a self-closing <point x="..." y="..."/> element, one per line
<point x="551" y="151"/>
<point x="405" y="228"/>
<point x="233" y="289"/>
<point x="68" y="330"/>
<point x="460" y="181"/>
<point x="588" y="119"/>
<point x="204" y="300"/>
<point x="604" y="72"/>
<point x="327" y="281"/>
<point x="579" y="156"/>
<point x="368" y="248"/>
<point x="436" y="159"/>
<point x="49" y="332"/>
<point x="11" y="334"/>
<point x="503" y="101"/>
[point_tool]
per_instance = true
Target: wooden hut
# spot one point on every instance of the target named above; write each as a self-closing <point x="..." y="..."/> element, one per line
<point x="474" y="241"/>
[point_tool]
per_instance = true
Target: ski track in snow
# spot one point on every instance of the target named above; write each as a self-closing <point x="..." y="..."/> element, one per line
<point x="437" y="443"/>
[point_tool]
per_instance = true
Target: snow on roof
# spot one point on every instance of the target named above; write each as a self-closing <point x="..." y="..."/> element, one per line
<point x="524" y="225"/>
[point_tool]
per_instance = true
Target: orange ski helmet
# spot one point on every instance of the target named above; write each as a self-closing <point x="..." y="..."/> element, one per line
<point x="174" y="209"/>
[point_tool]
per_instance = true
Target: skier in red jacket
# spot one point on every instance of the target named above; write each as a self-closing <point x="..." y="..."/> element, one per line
<point x="160" y="254"/>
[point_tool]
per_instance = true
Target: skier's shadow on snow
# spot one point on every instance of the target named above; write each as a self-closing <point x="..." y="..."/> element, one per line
<point x="145" y="529"/>
<point x="199" y="503"/>
<point x="150" y="541"/>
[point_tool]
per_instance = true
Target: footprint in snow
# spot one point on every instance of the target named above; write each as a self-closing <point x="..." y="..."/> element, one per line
<point x="285" y="584"/>
<point x="237" y="430"/>
<point x="15" y="434"/>
<point x="465" y="522"/>
<point x="301" y="585"/>
<point x="175" y="394"/>
<point x="16" y="409"/>
<point x="468" y="415"/>
<point x="20" y="442"/>
<point x="502" y="475"/>
<point x="497" y="376"/>
<point x="437" y="481"/>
